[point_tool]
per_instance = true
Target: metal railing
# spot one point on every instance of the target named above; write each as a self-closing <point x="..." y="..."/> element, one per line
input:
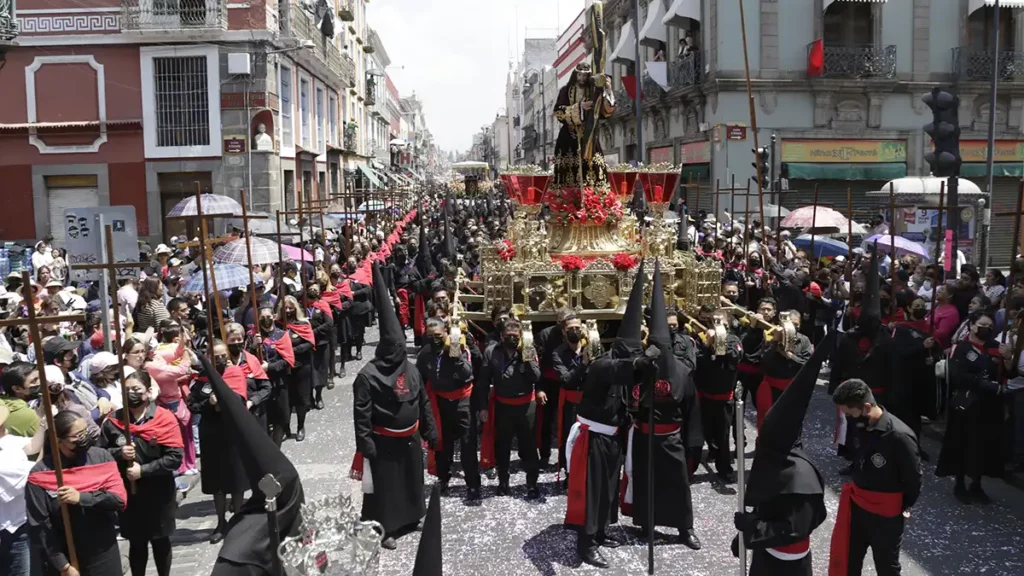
<point x="345" y="11"/>
<point x="174" y="15"/>
<point x="685" y="71"/>
<point x="651" y="89"/>
<point x="326" y="51"/>
<point x="350" y="140"/>
<point x="8" y="27"/>
<point x="859" y="62"/>
<point x="976" y="64"/>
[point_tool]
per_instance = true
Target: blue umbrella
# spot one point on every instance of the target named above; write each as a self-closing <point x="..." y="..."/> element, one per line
<point x="229" y="276"/>
<point x="823" y="246"/>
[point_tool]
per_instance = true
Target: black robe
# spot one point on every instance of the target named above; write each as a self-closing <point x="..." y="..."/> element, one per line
<point x="567" y="169"/>
<point x="394" y="398"/>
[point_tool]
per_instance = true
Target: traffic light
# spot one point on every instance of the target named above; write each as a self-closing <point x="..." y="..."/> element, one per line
<point x="762" y="158"/>
<point x="945" y="132"/>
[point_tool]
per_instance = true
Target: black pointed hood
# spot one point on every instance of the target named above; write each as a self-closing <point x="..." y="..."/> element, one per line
<point x="448" y="249"/>
<point x="638" y="204"/>
<point x="781" y="467"/>
<point x="870" y="318"/>
<point x="628" y="340"/>
<point x="391" y="347"/>
<point x="424" y="259"/>
<point x="248" y="539"/>
<point x="428" y="555"/>
<point x="658" y="333"/>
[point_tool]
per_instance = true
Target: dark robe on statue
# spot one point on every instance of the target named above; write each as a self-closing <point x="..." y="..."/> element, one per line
<point x="570" y="114"/>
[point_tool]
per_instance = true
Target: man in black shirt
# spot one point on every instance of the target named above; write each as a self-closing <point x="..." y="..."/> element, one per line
<point x="886" y="483"/>
<point x="715" y="378"/>
<point x="546" y="342"/>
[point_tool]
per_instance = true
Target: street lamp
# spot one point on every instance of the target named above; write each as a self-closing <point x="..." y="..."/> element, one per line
<point x="544" y="112"/>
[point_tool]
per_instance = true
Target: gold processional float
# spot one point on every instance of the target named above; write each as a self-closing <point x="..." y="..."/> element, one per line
<point x="586" y="253"/>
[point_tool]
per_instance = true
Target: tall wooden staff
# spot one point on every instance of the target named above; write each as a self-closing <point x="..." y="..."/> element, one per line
<point x="938" y="250"/>
<point x="33" y="322"/>
<point x="849" y="233"/>
<point x="252" y="277"/>
<point x="892" y="249"/>
<point x="280" y="260"/>
<point x="1013" y="258"/>
<point x="753" y="113"/>
<point x="204" y="249"/>
<point x="814" y="224"/>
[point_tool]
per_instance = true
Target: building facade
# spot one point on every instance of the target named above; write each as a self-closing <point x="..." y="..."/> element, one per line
<point x="264" y="97"/>
<point x="520" y="96"/>
<point x="838" y="82"/>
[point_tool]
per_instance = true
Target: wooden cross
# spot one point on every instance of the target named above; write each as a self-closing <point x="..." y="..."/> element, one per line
<point x="33" y="322"/>
<point x="111" y="267"/>
<point x="302" y="254"/>
<point x="1013" y="261"/>
<point x="248" y="254"/>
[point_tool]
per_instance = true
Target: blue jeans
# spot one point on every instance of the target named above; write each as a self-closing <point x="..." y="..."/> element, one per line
<point x="14" y="552"/>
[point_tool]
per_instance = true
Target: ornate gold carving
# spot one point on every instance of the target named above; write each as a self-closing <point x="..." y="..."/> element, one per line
<point x="600" y="291"/>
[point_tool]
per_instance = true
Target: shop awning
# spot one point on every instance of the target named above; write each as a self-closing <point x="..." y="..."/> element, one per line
<point x="849" y="171"/>
<point x="698" y="172"/>
<point x="625" y="50"/>
<point x="680" y="11"/>
<point x="370" y="175"/>
<point x="976" y="4"/>
<point x="414" y="175"/>
<point x="654" y="32"/>
<point x="827" y="3"/>
<point x="980" y="169"/>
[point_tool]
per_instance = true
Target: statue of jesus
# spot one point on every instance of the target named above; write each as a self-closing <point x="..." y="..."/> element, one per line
<point x="578" y="160"/>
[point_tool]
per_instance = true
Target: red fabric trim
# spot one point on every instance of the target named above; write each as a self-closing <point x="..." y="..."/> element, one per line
<point x="487" y="458"/>
<point x="517" y="401"/>
<point x="571" y="397"/>
<point x="795" y="548"/>
<point x="283" y="346"/>
<point x="234" y="377"/>
<point x="419" y="316"/>
<point x="345" y="289"/>
<point x="355" y="472"/>
<point x="576" y="505"/>
<point x="403" y="306"/>
<point x="748" y="368"/>
<point x="763" y="400"/>
<point x="658" y="428"/>
<point x="550" y="374"/>
<point x="161" y="429"/>
<point x="324" y="307"/>
<point x="332" y="297"/>
<point x="887" y="504"/>
<point x="253" y="368"/>
<point x="304" y="331"/>
<point x="103" y="477"/>
<point x="718" y="397"/>
<point x="454" y="395"/>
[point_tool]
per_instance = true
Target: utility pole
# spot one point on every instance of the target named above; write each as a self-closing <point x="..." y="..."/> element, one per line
<point x="991" y="133"/>
<point x="639" y="94"/>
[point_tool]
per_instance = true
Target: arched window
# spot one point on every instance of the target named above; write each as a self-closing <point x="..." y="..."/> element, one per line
<point x="849" y="24"/>
<point x="979" y="29"/>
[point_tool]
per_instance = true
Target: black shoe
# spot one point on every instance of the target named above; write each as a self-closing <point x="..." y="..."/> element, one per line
<point x="727" y="477"/>
<point x="343" y="373"/>
<point x="389" y="543"/>
<point x="690" y="540"/>
<point x="443" y="486"/>
<point x="961" y="494"/>
<point x="359" y="355"/>
<point x="218" y="534"/>
<point x="594" y="558"/>
<point x="978" y="495"/>
<point x="847" y="471"/>
<point x="472" y="493"/>
<point x="491" y="473"/>
<point x="319" y="404"/>
<point x="300" y="435"/>
<point x="608" y="541"/>
<point x="565" y="484"/>
<point x="533" y="493"/>
<point x="503" y="488"/>
<point x="330" y="382"/>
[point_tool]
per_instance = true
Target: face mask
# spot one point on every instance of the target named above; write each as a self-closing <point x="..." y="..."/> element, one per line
<point x="266" y="323"/>
<point x="859" y="421"/>
<point x="35" y="392"/>
<point x="82" y="444"/>
<point x="222" y="365"/>
<point x="983" y="332"/>
<point x="235" y="349"/>
<point x="437" y="342"/>
<point x="292" y="314"/>
<point x="574" y="336"/>
<point x="511" y="340"/>
<point x="136" y="398"/>
<point x="919" y="313"/>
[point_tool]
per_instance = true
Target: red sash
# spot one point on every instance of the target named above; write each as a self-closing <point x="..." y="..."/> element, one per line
<point x="305" y="331"/>
<point x="356" y="471"/>
<point x="570" y="397"/>
<point x="748" y="368"/>
<point x="161" y="429"/>
<point x="797" y="548"/>
<point x="283" y="346"/>
<point x="253" y="368"/>
<point x="419" y="315"/>
<point x="454" y="395"/>
<point x="487" y="458"/>
<point x="576" y="505"/>
<point x="659" y="429"/>
<point x="550" y="374"/>
<point x="345" y="289"/>
<point x="887" y="504"/>
<point x="234" y="377"/>
<point x="332" y="297"/>
<point x="403" y="306"/>
<point x="717" y="397"/>
<point x="763" y="398"/>
<point x="324" y="307"/>
<point x="102" y="477"/>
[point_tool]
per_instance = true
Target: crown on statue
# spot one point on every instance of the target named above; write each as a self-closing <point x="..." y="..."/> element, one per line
<point x="333" y="540"/>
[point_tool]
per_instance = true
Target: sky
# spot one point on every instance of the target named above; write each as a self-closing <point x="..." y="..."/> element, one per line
<point x="455" y="54"/>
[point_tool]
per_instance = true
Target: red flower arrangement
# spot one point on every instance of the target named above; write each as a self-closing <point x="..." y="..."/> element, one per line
<point x="572" y="264"/>
<point x="586" y="206"/>
<point x="507" y="252"/>
<point x="623" y="262"/>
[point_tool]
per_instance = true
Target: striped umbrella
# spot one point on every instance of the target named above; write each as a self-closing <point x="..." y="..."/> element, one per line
<point x="228" y="276"/>
<point x="213" y="205"/>
<point x="263" y="252"/>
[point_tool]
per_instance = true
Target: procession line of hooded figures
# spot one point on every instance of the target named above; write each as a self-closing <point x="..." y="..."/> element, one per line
<point x="603" y="430"/>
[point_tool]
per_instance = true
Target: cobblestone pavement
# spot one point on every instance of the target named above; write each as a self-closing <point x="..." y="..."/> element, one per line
<point x="512" y="536"/>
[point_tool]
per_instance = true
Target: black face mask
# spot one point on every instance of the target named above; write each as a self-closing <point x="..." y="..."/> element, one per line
<point x="574" y="336"/>
<point x="82" y="444"/>
<point x="292" y="315"/>
<point x="221" y="365"/>
<point x="235" y="349"/>
<point x="350" y="268"/>
<point x="266" y="323"/>
<point x="136" y="398"/>
<point x="510" y="340"/>
<point x="983" y="332"/>
<point x="919" y="313"/>
<point x="34" y="392"/>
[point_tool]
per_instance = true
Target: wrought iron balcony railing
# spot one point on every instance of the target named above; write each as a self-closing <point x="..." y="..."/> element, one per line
<point x="345" y="11"/>
<point x="651" y="89"/>
<point x="685" y="71"/>
<point x="859" y="62"/>
<point x="976" y="64"/>
<point x="174" y="15"/>
<point x="350" y="142"/>
<point x="326" y="51"/>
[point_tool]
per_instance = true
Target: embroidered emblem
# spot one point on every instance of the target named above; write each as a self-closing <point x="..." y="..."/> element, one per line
<point x="636" y="392"/>
<point x="878" y="460"/>
<point x="662" y="388"/>
<point x="120" y="440"/>
<point x="207" y="389"/>
<point x="400" y="384"/>
<point x="972" y="355"/>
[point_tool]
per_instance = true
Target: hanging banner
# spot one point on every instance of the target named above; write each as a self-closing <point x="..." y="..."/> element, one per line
<point x="661" y="155"/>
<point x="845" y="151"/>
<point x="695" y="153"/>
<point x="1005" y="150"/>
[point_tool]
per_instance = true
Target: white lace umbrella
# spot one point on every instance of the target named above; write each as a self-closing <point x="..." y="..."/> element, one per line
<point x="264" y="251"/>
<point x="213" y="205"/>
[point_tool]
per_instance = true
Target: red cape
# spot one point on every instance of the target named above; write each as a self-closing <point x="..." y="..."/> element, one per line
<point x="102" y="477"/>
<point x="332" y="297"/>
<point x="234" y="377"/>
<point x="324" y="307"/>
<point x="283" y="346"/>
<point x="162" y="429"/>
<point x="304" y="331"/>
<point x="344" y="289"/>
<point x="253" y="368"/>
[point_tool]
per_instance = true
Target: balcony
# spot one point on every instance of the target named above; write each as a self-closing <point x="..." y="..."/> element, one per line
<point x="345" y="11"/>
<point x="165" y="15"/>
<point x="350" y="142"/>
<point x="972" y="65"/>
<point x="685" y="72"/>
<point x="371" y="88"/>
<point x="323" y="50"/>
<point x="859" y="62"/>
<point x="651" y="90"/>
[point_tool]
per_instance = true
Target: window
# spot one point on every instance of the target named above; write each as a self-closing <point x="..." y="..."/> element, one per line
<point x="321" y="132"/>
<point x="849" y="24"/>
<point x="182" y="101"/>
<point x="332" y="118"/>
<point x="306" y="135"/>
<point x="287" y="122"/>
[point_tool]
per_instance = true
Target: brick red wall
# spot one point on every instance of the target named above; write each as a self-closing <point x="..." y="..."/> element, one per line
<point x="128" y="188"/>
<point x="17" y="200"/>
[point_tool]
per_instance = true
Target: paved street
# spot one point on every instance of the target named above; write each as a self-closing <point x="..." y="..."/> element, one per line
<point x="511" y="536"/>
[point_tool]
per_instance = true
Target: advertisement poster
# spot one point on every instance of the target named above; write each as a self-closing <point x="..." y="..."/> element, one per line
<point x="83" y="233"/>
<point x="922" y="226"/>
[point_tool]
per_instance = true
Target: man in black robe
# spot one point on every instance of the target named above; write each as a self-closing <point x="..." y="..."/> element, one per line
<point x="785" y="489"/>
<point x="780" y="365"/>
<point x="676" y="431"/>
<point x="715" y="378"/>
<point x="570" y="361"/>
<point x="573" y="108"/>
<point x="546" y="341"/>
<point x="392" y="413"/>
<point x="593" y="446"/>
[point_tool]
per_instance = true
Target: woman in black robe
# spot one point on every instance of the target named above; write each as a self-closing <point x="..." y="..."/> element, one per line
<point x="279" y="357"/>
<point x="149" y="462"/>
<point x="972" y="445"/>
<point x="339" y="296"/>
<point x="292" y="318"/>
<point x="93" y="493"/>
<point x="319" y="313"/>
